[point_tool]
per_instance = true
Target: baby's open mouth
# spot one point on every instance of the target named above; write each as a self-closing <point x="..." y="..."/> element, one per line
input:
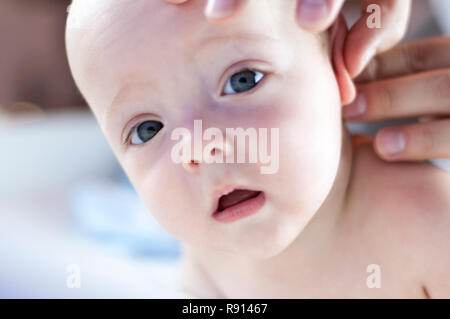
<point x="238" y="203"/>
<point x="235" y="197"/>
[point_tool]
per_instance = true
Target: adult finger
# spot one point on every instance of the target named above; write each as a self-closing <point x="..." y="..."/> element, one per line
<point x="382" y="24"/>
<point x="176" y="1"/>
<point x="223" y="11"/>
<point x="418" y="141"/>
<point x="420" y="56"/>
<point x="426" y="93"/>
<point x="317" y="15"/>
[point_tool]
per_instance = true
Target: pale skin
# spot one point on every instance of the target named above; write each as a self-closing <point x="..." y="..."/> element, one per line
<point x="393" y="221"/>
<point x="332" y="209"/>
<point x="408" y="81"/>
<point x="316" y="16"/>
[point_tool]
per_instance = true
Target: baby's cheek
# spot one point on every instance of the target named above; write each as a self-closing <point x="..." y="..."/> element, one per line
<point x="169" y="202"/>
<point x="309" y="155"/>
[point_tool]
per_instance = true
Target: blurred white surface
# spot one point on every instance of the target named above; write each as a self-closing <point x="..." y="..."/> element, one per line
<point x="51" y="152"/>
<point x="38" y="242"/>
<point x="111" y="211"/>
<point x="42" y="161"/>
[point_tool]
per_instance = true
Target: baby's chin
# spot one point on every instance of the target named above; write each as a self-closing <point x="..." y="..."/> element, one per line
<point x="264" y="242"/>
<point x="264" y="251"/>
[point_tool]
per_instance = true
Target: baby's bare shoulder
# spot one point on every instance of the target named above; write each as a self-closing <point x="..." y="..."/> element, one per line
<point x="403" y="210"/>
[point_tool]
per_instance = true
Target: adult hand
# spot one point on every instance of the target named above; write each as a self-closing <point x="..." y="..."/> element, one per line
<point x="362" y="41"/>
<point x="411" y="80"/>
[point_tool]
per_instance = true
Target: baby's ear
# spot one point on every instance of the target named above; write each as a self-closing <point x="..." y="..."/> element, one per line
<point x="338" y="32"/>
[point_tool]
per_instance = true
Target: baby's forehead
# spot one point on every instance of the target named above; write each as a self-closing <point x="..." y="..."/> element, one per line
<point x="120" y="29"/>
<point x="111" y="25"/>
<point x="106" y="22"/>
<point x="125" y="41"/>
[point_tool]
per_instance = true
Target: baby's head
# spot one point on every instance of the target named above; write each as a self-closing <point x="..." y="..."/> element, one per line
<point x="164" y="66"/>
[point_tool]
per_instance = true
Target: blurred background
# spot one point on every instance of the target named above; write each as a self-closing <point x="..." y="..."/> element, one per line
<point x="71" y="225"/>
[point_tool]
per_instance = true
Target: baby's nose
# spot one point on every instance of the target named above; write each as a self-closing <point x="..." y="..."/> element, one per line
<point x="211" y="151"/>
<point x="217" y="151"/>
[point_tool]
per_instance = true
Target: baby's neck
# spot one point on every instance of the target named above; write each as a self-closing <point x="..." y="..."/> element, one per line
<point x="317" y="240"/>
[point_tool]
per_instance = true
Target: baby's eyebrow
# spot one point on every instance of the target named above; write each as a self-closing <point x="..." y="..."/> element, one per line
<point x="122" y="95"/>
<point x="150" y="85"/>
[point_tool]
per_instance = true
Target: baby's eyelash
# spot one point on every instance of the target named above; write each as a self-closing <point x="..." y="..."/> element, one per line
<point x="227" y="86"/>
<point x="150" y="128"/>
<point x="127" y="138"/>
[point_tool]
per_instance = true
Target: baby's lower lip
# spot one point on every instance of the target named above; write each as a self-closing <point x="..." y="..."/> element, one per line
<point x="241" y="210"/>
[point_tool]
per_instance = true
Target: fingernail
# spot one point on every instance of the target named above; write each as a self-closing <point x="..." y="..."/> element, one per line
<point x="391" y="142"/>
<point x="219" y="8"/>
<point x="311" y="11"/>
<point x="356" y="108"/>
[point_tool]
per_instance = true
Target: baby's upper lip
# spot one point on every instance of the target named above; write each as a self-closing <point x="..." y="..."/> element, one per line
<point x="218" y="193"/>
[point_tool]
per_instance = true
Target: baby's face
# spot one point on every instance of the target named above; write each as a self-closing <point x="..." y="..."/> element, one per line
<point x="164" y="66"/>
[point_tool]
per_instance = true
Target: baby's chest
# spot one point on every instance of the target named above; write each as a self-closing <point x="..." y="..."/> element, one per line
<point x="368" y="280"/>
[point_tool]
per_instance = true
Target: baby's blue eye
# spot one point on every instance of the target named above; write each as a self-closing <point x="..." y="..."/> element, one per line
<point x="242" y="81"/>
<point x="145" y="132"/>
